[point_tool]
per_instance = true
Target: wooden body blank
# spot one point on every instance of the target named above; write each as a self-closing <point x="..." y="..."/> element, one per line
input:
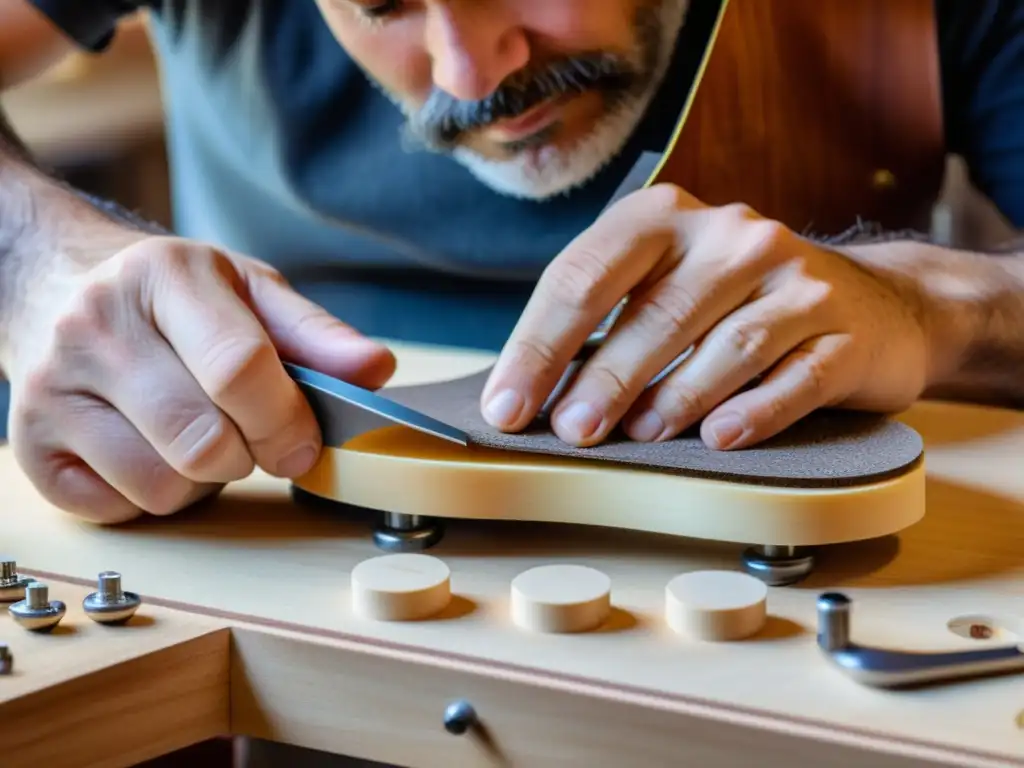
<point x="273" y="577"/>
<point x="388" y="470"/>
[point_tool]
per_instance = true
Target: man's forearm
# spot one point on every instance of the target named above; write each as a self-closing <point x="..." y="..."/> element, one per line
<point x="16" y="161"/>
<point x="972" y="305"/>
<point x="43" y="223"/>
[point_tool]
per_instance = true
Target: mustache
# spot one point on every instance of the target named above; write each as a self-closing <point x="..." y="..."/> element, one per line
<point x="442" y="119"/>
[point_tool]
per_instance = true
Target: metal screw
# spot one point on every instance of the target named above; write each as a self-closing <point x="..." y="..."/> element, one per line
<point x="6" y="659"/>
<point x="12" y="586"/>
<point x="459" y="717"/>
<point x="37" y="612"/>
<point x="110" y="604"/>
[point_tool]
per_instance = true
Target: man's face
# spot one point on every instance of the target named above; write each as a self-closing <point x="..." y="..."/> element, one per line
<point x="532" y="96"/>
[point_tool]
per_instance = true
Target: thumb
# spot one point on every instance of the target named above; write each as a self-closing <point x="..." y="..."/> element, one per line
<point x="306" y="334"/>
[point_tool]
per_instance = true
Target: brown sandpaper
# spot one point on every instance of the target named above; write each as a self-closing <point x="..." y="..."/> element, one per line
<point x="827" y="448"/>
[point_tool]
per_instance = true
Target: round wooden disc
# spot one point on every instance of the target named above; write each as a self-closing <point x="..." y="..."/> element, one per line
<point x="400" y="587"/>
<point x="560" y="598"/>
<point x="716" y="605"/>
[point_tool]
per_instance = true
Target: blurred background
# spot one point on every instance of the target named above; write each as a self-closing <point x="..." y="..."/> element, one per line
<point x="98" y="121"/>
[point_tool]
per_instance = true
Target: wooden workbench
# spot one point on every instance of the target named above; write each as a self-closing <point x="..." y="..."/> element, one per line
<point x="246" y="629"/>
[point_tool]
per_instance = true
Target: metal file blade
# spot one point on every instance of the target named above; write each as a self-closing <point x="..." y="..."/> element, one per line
<point x="336" y="404"/>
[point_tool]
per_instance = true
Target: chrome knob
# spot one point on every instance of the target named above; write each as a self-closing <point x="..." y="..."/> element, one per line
<point x="460" y="717"/>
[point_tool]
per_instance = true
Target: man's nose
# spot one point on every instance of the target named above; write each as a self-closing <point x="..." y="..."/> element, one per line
<point x="474" y="46"/>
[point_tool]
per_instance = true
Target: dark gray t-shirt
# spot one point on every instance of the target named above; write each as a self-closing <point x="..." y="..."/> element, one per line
<point x="281" y="148"/>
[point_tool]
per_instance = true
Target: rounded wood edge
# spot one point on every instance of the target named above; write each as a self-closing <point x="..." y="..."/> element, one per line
<point x="716" y="606"/>
<point x="560" y="598"/>
<point x="398" y="471"/>
<point x="400" y="587"/>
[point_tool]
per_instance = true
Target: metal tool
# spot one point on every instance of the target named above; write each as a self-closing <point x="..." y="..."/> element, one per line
<point x="345" y="411"/>
<point x="881" y="668"/>
<point x="37" y="612"/>
<point x="338" y="406"/>
<point x="110" y="604"/>
<point x="12" y="585"/>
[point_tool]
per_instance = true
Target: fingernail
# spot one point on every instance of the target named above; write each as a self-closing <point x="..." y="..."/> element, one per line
<point x="647" y="428"/>
<point x="578" y="421"/>
<point x="504" y="408"/>
<point x="297" y="462"/>
<point x="726" y="430"/>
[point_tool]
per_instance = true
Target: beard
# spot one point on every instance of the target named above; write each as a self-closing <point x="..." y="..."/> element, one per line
<point x="536" y="168"/>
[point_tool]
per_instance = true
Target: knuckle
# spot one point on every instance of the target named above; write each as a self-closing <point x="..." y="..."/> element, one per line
<point x="757" y="237"/>
<point x="294" y="429"/>
<point x="663" y="198"/>
<point x="680" y="402"/>
<point x="93" y="315"/>
<point x="772" y="416"/>
<point x="766" y="238"/>
<point x="139" y="260"/>
<point x="817" y="295"/>
<point x="199" y="441"/>
<point x="670" y="311"/>
<point x="169" y="492"/>
<point x="88" y="340"/>
<point x="616" y="391"/>
<point x="166" y="491"/>
<point x="269" y="273"/>
<point x="233" y="361"/>
<point x="576" y="280"/>
<point x="535" y="355"/>
<point x="36" y="387"/>
<point x="737" y="214"/>
<point x="749" y="340"/>
<point x="818" y="370"/>
<point x="312" y="324"/>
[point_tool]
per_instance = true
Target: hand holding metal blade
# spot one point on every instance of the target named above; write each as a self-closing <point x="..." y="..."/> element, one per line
<point x="345" y="411"/>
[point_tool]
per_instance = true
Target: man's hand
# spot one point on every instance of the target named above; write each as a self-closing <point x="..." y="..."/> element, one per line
<point x="146" y="379"/>
<point x="754" y="298"/>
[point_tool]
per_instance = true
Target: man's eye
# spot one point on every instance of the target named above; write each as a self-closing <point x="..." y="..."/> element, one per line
<point x="382" y="9"/>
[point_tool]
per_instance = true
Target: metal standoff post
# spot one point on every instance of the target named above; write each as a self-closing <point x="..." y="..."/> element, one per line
<point x="110" y="604"/>
<point x="37" y="612"/>
<point x="12" y="585"/>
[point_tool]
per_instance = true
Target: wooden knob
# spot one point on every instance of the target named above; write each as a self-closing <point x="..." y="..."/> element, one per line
<point x="400" y="587"/>
<point x="560" y="598"/>
<point x="716" y="605"/>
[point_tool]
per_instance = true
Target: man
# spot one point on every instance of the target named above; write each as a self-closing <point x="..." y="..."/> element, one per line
<point x="145" y="369"/>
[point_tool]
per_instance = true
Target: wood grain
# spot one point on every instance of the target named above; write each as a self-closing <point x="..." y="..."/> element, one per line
<point x="88" y="695"/>
<point x="262" y="564"/>
<point x="817" y="112"/>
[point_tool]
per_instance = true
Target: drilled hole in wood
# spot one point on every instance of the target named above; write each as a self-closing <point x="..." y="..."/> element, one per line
<point x="981" y="627"/>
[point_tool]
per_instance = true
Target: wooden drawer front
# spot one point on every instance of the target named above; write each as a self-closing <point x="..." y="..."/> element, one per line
<point x="389" y="707"/>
